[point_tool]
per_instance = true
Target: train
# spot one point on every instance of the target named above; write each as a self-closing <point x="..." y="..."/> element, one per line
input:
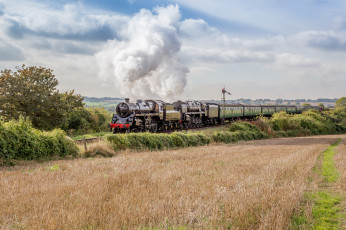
<point x="157" y="115"/>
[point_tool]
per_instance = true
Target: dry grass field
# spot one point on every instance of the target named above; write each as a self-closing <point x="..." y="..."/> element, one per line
<point x="248" y="185"/>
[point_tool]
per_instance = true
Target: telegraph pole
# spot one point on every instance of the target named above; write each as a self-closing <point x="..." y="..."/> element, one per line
<point x="224" y="91"/>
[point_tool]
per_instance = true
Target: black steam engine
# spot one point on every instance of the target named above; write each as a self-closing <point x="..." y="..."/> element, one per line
<point x="156" y="115"/>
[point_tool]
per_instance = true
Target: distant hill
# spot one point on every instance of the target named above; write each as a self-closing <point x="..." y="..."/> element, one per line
<point x="103" y="102"/>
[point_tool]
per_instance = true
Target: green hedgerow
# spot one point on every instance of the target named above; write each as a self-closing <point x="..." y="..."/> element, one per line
<point x="118" y="141"/>
<point x="151" y="141"/>
<point x="20" y="141"/>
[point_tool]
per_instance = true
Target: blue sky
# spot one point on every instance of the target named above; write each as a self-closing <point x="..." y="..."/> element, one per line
<point x="257" y="49"/>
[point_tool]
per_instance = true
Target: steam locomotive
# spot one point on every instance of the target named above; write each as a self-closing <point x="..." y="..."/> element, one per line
<point x="156" y="115"/>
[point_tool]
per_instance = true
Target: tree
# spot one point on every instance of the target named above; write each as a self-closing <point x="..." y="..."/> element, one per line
<point x="321" y="105"/>
<point x="341" y="102"/>
<point x="306" y="105"/>
<point x="278" y="101"/>
<point x="31" y="92"/>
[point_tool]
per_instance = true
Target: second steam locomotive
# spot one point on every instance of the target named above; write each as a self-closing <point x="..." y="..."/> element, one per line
<point x="156" y="115"/>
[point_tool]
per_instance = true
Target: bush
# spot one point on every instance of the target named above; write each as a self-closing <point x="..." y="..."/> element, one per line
<point x="19" y="141"/>
<point x="247" y="131"/>
<point x="150" y="141"/>
<point x="118" y="141"/>
<point x="307" y="123"/>
<point x="224" y="137"/>
<point x="87" y="120"/>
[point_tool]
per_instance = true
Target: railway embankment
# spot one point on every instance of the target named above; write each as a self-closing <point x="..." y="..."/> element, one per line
<point x="279" y="125"/>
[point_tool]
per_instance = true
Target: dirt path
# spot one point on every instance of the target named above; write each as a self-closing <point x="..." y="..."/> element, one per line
<point x="248" y="185"/>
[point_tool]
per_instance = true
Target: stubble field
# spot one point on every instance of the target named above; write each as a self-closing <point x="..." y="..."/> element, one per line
<point x="248" y="185"/>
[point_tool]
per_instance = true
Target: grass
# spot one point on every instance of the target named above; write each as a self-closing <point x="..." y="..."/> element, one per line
<point x="90" y="135"/>
<point x="323" y="203"/>
<point x="329" y="172"/>
<point x="326" y="210"/>
<point x="208" y="131"/>
<point x="107" y="105"/>
<point x="252" y="185"/>
<point x="99" y="149"/>
<point x="326" y="203"/>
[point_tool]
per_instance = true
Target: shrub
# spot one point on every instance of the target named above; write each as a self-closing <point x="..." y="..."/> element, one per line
<point x="247" y="130"/>
<point x="18" y="140"/>
<point x="85" y="120"/>
<point x="118" y="141"/>
<point x="150" y="141"/>
<point x="178" y="140"/>
<point x="307" y="123"/>
<point x="204" y="140"/>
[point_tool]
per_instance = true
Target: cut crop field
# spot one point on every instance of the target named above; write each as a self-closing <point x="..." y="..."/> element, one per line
<point x="247" y="185"/>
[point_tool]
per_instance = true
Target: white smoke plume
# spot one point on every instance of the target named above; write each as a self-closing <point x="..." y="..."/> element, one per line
<point x="143" y="62"/>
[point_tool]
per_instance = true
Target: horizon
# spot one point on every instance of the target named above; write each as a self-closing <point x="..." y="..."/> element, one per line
<point x="284" y="99"/>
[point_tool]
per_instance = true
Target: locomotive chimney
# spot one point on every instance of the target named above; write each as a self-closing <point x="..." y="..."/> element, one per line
<point x="127" y="100"/>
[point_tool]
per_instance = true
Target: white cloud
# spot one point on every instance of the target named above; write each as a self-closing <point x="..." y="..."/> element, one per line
<point x="325" y="40"/>
<point x="68" y="21"/>
<point x="294" y="60"/>
<point x="198" y="30"/>
<point x="226" y="55"/>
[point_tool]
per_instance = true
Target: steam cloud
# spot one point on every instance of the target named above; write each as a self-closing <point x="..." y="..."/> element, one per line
<point x="143" y="63"/>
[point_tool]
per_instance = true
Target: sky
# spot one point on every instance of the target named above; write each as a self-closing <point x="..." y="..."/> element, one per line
<point x="178" y="49"/>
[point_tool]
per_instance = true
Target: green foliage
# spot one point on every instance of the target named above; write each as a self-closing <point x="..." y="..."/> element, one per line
<point x="118" y="142"/>
<point x="307" y="123"/>
<point x="31" y="92"/>
<point x="87" y="120"/>
<point x="285" y="125"/>
<point x="224" y="137"/>
<point x="341" y="102"/>
<point x="19" y="141"/>
<point x="239" y="131"/>
<point x="151" y="141"/>
<point x="338" y="117"/>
